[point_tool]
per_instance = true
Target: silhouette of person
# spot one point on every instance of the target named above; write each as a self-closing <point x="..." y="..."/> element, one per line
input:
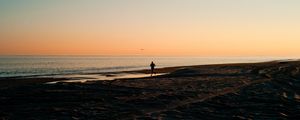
<point x="152" y="65"/>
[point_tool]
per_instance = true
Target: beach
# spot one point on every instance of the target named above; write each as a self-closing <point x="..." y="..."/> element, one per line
<point x="266" y="90"/>
<point x="149" y="60"/>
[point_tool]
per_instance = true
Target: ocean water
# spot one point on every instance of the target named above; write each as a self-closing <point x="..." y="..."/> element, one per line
<point x="13" y="66"/>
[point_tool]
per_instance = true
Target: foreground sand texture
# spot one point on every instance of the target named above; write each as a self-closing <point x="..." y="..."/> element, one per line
<point x="268" y="90"/>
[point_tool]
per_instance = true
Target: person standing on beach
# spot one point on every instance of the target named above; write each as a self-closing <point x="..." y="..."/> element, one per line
<point x="152" y="65"/>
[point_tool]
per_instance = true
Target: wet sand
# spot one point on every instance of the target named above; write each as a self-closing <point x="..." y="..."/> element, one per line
<point x="267" y="90"/>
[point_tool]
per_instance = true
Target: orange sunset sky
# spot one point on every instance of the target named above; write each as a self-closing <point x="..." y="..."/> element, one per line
<point x="150" y="27"/>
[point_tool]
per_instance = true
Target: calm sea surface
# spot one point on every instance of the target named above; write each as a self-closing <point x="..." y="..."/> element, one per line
<point x="11" y="66"/>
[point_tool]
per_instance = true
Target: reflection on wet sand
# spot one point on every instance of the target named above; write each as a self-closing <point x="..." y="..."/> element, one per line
<point x="82" y="78"/>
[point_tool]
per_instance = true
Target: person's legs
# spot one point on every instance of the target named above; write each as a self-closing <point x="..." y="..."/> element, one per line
<point x="152" y="71"/>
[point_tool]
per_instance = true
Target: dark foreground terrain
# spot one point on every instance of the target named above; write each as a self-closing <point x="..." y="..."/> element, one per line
<point x="237" y="91"/>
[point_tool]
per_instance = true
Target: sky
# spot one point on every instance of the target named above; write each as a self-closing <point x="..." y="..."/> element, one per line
<point x="150" y="27"/>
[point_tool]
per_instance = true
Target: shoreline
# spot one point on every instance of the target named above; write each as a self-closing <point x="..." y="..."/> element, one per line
<point x="109" y="76"/>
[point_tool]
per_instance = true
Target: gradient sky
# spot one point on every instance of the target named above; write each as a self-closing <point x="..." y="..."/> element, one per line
<point x="160" y="27"/>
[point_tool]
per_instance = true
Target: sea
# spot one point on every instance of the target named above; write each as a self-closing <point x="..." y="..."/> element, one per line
<point x="22" y="66"/>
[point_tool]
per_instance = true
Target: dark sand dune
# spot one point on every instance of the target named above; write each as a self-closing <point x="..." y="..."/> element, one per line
<point x="237" y="91"/>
